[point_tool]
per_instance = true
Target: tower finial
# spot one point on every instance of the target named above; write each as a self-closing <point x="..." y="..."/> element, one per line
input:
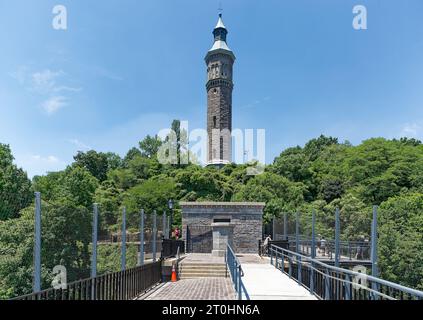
<point x="220" y="9"/>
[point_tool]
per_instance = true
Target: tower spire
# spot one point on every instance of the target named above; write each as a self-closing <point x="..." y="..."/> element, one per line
<point x="220" y="33"/>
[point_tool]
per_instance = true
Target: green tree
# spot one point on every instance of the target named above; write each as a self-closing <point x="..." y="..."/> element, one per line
<point x="114" y="161"/>
<point x="314" y="147"/>
<point x="150" y="195"/>
<point x="150" y="146"/>
<point x="131" y="154"/>
<point x="279" y="193"/>
<point x="66" y="234"/>
<point x="78" y="186"/>
<point x="15" y="187"/>
<point x="400" y="242"/>
<point x="97" y="163"/>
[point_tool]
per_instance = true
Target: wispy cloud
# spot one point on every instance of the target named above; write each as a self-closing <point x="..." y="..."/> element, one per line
<point x="54" y="103"/>
<point x="36" y="164"/>
<point x="48" y="159"/>
<point x="66" y="88"/>
<point x="44" y="82"/>
<point x="20" y="74"/>
<point x="255" y="103"/>
<point x="79" y="144"/>
<point x="412" y="130"/>
<point x="51" y="84"/>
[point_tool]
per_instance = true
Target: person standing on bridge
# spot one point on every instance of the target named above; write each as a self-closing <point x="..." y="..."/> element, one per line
<point x="360" y="249"/>
<point x="266" y="244"/>
<point x="177" y="233"/>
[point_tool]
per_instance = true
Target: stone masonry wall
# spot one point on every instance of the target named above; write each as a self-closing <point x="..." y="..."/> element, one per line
<point x="246" y="218"/>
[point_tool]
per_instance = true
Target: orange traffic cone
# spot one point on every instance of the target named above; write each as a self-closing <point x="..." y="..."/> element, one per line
<point x="174" y="277"/>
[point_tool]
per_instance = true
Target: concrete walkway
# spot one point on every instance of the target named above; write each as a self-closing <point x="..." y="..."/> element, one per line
<point x="264" y="282"/>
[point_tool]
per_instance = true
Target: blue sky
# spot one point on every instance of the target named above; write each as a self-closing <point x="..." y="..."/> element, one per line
<point x="126" y="68"/>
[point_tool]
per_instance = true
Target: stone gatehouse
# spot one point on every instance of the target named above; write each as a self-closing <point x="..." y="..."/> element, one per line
<point x="208" y="226"/>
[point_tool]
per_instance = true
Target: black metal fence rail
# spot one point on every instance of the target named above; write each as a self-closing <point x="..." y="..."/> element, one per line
<point x="122" y="285"/>
<point x="170" y="248"/>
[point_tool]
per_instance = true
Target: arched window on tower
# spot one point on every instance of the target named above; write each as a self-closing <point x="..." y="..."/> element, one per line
<point x="214" y="122"/>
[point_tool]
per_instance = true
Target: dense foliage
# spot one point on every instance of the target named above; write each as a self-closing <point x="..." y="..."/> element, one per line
<point x="322" y="175"/>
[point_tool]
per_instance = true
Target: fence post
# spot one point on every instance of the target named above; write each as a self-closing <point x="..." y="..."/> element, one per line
<point x="37" y="244"/>
<point x="327" y="285"/>
<point x="141" y="258"/>
<point x="313" y="249"/>
<point x="374" y="257"/>
<point x="168" y="228"/>
<point x="164" y="225"/>
<point x="337" y="236"/>
<point x="297" y="246"/>
<point x="297" y="231"/>
<point x="285" y="226"/>
<point x="347" y="288"/>
<point x="239" y="284"/>
<point x="289" y="265"/>
<point x="123" y="249"/>
<point x="94" y="240"/>
<point x="154" y="235"/>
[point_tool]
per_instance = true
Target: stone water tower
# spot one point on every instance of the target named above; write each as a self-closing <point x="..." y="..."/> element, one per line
<point x="219" y="60"/>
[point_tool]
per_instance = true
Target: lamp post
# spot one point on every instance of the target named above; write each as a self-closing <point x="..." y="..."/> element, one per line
<point x="170" y="206"/>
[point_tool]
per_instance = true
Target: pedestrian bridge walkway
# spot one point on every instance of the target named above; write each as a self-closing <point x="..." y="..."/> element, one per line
<point x="261" y="280"/>
<point x="264" y="282"/>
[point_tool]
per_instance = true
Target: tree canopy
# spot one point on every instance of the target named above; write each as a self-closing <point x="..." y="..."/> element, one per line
<point x="323" y="175"/>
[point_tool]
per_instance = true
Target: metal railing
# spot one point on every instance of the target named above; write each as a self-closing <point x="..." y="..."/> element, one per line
<point x="123" y="285"/>
<point x="350" y="250"/>
<point x="236" y="272"/>
<point x="333" y="283"/>
<point x="264" y="250"/>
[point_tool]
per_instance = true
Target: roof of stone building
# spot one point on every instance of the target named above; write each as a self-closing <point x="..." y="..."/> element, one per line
<point x="211" y="203"/>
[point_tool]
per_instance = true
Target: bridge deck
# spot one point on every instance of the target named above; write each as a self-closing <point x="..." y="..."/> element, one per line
<point x="264" y="282"/>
